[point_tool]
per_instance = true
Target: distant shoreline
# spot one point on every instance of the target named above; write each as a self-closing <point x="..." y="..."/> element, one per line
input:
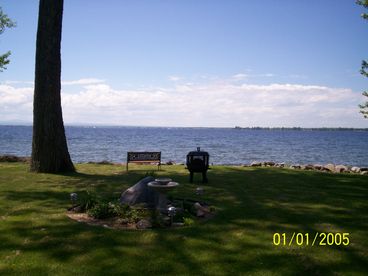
<point x="304" y="128"/>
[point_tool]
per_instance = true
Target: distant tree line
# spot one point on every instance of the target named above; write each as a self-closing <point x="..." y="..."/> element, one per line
<point x="304" y="128"/>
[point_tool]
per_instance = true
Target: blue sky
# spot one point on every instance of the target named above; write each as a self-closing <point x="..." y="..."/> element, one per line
<point x="196" y="63"/>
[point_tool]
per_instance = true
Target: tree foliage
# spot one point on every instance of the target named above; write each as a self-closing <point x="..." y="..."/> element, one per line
<point x="5" y="22"/>
<point x="364" y="68"/>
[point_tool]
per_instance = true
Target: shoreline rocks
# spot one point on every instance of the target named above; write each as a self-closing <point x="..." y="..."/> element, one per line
<point x="355" y="169"/>
<point x="13" y="158"/>
<point x="332" y="168"/>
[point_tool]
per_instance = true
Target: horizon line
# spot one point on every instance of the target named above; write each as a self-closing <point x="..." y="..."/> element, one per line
<point x="218" y="127"/>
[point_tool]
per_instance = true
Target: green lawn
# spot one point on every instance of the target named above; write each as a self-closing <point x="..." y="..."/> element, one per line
<point x="252" y="204"/>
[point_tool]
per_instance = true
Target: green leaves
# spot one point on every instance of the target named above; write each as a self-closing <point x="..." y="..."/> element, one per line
<point x="364" y="107"/>
<point x="5" y="22"/>
<point x="4" y="61"/>
<point x="364" y="68"/>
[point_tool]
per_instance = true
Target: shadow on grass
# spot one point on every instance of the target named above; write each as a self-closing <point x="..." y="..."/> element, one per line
<point x="252" y="204"/>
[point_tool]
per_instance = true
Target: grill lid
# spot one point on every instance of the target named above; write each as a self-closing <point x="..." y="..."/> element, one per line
<point x="198" y="153"/>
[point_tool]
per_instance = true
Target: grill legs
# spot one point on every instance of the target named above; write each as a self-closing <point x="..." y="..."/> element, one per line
<point x="204" y="177"/>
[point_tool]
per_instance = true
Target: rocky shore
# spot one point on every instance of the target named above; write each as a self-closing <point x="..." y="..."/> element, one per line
<point x="332" y="168"/>
<point x="13" y="158"/>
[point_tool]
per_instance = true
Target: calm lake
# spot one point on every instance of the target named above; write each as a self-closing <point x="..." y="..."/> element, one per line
<point x="225" y="145"/>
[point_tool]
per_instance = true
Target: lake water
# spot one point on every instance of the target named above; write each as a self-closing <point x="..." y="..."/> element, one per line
<point x="225" y="145"/>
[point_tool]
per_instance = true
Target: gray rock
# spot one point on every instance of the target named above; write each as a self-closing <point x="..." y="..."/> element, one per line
<point x="140" y="193"/>
<point x="268" y="164"/>
<point x="201" y="210"/>
<point x="355" y="169"/>
<point x="256" y="164"/>
<point x="143" y="224"/>
<point x="307" y="167"/>
<point x="329" y="167"/>
<point x="341" y="168"/>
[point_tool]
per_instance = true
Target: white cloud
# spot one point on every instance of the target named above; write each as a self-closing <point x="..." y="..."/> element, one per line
<point x="15" y="103"/>
<point x="239" y="76"/>
<point x="86" y="81"/>
<point x="267" y="75"/>
<point x="174" y="78"/>
<point x="197" y="104"/>
<point x="242" y="76"/>
<point x="10" y="82"/>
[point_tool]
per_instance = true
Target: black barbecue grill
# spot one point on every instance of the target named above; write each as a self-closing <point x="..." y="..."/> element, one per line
<point x="198" y="162"/>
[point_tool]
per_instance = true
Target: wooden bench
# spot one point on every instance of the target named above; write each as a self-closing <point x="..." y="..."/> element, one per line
<point x="142" y="157"/>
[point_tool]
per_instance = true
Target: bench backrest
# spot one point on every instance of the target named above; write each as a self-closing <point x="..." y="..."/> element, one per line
<point x="143" y="156"/>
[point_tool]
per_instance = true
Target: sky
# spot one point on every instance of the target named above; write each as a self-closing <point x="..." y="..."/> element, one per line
<point x="190" y="63"/>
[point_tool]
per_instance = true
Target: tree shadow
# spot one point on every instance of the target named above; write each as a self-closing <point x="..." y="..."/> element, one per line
<point x="252" y="204"/>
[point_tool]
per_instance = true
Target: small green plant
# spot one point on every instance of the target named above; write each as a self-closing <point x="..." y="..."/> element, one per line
<point x="88" y="201"/>
<point x="117" y="209"/>
<point x="188" y="221"/>
<point x="101" y="210"/>
<point x="133" y="215"/>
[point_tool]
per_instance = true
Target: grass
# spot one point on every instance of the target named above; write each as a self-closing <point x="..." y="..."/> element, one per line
<point x="36" y="237"/>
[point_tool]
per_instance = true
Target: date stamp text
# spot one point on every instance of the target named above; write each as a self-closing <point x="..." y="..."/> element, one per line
<point x="306" y="239"/>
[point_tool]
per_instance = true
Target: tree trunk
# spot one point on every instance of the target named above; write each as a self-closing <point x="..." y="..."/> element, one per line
<point x="49" y="147"/>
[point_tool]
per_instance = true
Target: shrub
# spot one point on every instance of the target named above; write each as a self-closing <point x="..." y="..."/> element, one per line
<point x="101" y="210"/>
<point x="133" y="215"/>
<point x="88" y="201"/>
<point x="117" y="209"/>
<point x="188" y="221"/>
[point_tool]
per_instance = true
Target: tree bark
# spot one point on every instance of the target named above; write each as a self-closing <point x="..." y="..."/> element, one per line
<point x="49" y="147"/>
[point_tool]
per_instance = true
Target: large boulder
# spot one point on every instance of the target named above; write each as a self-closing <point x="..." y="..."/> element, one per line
<point x="140" y="193"/>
